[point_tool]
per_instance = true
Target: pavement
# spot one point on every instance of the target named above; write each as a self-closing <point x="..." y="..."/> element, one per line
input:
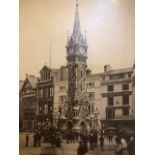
<point x="66" y="149"/>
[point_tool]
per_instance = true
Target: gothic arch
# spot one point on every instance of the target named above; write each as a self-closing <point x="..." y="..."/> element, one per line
<point x="83" y="125"/>
<point x="69" y="125"/>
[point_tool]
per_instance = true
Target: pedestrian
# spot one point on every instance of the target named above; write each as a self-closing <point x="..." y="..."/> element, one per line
<point x="27" y="140"/>
<point x="38" y="138"/>
<point x="119" y="149"/>
<point x="102" y="142"/>
<point x="131" y="146"/>
<point x="67" y="141"/>
<point x="35" y="139"/>
<point x="81" y="149"/>
<point x="91" y="141"/>
<point x="95" y="139"/>
<point x="110" y="137"/>
<point x="76" y="137"/>
<point x="124" y="146"/>
<point x="85" y="141"/>
<point x="58" y="142"/>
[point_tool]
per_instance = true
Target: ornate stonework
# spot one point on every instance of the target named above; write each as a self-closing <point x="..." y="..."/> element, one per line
<point x="77" y="107"/>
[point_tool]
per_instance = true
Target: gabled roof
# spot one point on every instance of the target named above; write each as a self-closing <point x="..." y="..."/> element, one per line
<point x="32" y="80"/>
<point x="45" y="68"/>
<point x="21" y="82"/>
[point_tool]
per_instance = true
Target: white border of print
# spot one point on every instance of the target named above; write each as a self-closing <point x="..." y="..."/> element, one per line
<point x="145" y="77"/>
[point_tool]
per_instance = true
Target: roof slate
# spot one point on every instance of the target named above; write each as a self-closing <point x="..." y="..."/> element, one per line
<point x="33" y="81"/>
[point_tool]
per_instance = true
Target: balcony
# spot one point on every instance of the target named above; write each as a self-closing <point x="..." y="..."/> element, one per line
<point x="118" y="106"/>
<point x="122" y="117"/>
<point x="111" y="94"/>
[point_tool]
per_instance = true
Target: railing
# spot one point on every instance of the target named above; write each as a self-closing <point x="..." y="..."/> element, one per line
<point x="123" y="117"/>
<point x="118" y="106"/>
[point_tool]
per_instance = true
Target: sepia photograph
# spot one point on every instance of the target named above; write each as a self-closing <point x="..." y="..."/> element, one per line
<point x="76" y="77"/>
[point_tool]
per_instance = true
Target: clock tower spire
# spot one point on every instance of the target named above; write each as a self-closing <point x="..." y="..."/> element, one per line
<point x="76" y="49"/>
<point x="76" y="46"/>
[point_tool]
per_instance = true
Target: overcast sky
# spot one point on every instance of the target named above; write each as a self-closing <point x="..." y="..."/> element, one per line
<point x="109" y="25"/>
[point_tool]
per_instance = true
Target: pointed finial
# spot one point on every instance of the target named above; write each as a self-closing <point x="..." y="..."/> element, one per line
<point x="77" y="3"/>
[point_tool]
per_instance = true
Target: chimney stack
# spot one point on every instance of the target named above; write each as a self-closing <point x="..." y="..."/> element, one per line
<point x="107" y="68"/>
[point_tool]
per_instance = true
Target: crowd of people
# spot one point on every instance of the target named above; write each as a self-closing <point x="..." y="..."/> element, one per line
<point x="125" y="144"/>
<point x="39" y="136"/>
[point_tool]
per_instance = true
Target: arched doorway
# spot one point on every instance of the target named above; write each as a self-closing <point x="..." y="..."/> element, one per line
<point x="83" y="126"/>
<point x="69" y="126"/>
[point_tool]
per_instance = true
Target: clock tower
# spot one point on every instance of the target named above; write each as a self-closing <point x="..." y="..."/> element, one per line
<point x="76" y="45"/>
<point x="76" y="49"/>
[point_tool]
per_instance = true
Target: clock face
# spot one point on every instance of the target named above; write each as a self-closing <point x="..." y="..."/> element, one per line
<point x="76" y="47"/>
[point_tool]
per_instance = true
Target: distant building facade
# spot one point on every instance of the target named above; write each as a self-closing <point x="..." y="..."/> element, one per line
<point x="117" y="97"/>
<point x="60" y="94"/>
<point x="21" y="107"/>
<point x="110" y="95"/>
<point x="45" y="98"/>
<point x="28" y="95"/>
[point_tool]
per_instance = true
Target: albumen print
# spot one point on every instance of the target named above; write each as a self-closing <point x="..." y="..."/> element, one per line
<point x="77" y="77"/>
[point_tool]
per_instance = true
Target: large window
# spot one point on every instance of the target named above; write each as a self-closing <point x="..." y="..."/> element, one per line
<point x="110" y="101"/>
<point x="90" y="85"/>
<point x="62" y="88"/>
<point x="110" y="114"/>
<point x="91" y="95"/>
<point x="62" y="98"/>
<point x="126" y="112"/>
<point x="125" y="86"/>
<point x="126" y="99"/>
<point x="110" y="88"/>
